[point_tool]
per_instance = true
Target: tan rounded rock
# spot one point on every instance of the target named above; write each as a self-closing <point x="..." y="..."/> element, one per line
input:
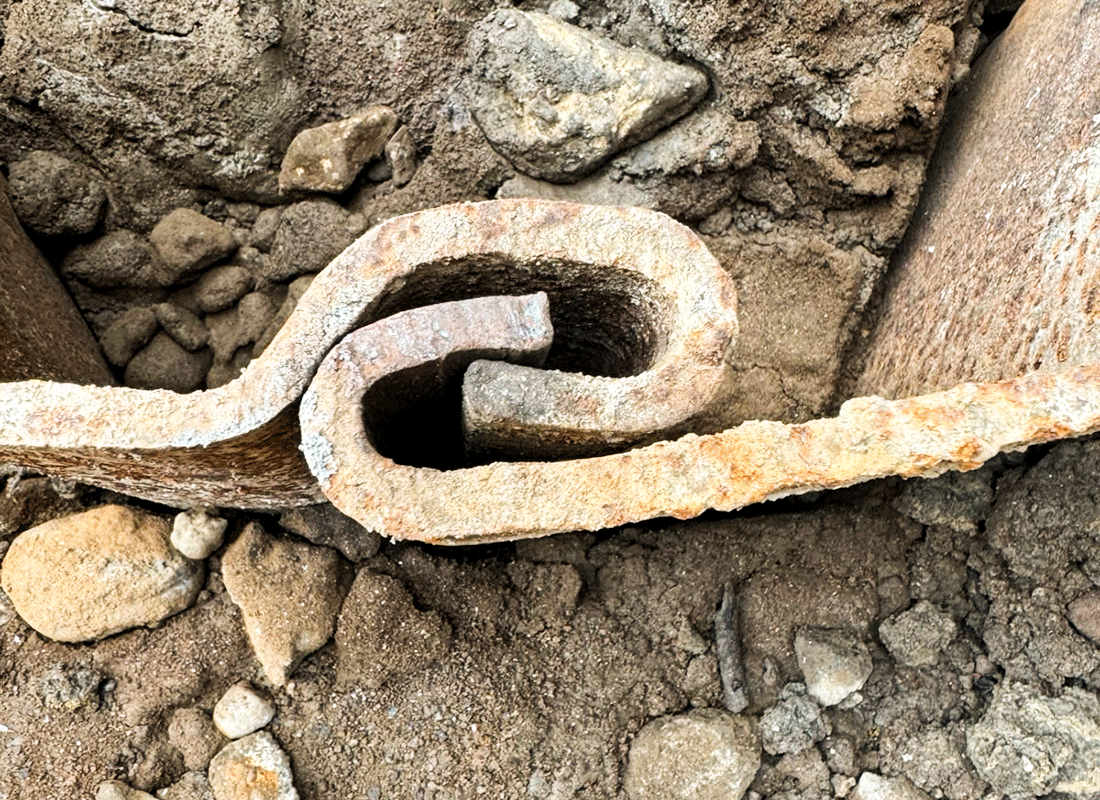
<point x="89" y="575"/>
<point x="252" y="768"/>
<point x="701" y="755"/>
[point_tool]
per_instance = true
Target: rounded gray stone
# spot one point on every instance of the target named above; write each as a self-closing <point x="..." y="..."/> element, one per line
<point x="186" y="329"/>
<point x="705" y="754"/>
<point x="187" y="242"/>
<point x="163" y="364"/>
<point x="221" y="287"/>
<point x="55" y="196"/>
<point x="242" y="710"/>
<point x="834" y="662"/>
<point x="130" y="331"/>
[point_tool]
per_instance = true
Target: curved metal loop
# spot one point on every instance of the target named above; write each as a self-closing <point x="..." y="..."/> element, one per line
<point x="635" y="293"/>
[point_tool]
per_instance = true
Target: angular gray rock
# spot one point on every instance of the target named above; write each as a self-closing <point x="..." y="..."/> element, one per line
<point x="794" y="723"/>
<point x="163" y="364"/>
<point x="326" y="525"/>
<point x="252" y="768"/>
<point x="1028" y="744"/>
<point x="119" y="259"/>
<point x="89" y="575"/>
<point x="917" y="637"/>
<point x="55" y="196"/>
<point x="69" y="688"/>
<point x="834" y="663"/>
<point x="381" y="634"/>
<point x="328" y="158"/>
<point x="310" y="235"/>
<point x="289" y="593"/>
<point x="187" y="242"/>
<point x="557" y="100"/>
<point x="705" y="754"/>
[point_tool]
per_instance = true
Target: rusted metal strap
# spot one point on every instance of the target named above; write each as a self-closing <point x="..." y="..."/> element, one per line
<point x="958" y="429"/>
<point x="638" y="301"/>
<point x="623" y="293"/>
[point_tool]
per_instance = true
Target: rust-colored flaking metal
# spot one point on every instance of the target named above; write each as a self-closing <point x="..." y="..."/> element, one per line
<point x="636" y="297"/>
<point x="958" y="429"/>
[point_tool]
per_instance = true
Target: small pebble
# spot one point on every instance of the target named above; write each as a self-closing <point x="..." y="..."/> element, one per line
<point x="197" y="534"/>
<point x="243" y="709"/>
<point x="1084" y="614"/>
<point x="130" y="331"/>
<point x="835" y="663"/>
<point x="186" y="329"/>
<point x="794" y="723"/>
<point x="117" y="790"/>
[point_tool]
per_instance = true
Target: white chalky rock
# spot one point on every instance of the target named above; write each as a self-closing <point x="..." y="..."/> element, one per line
<point x="252" y="768"/>
<point x="243" y="709"/>
<point x="196" y="534"/>
<point x="85" y="576"/>
<point x="834" y="662"/>
<point x="876" y="787"/>
<point x="117" y="790"/>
